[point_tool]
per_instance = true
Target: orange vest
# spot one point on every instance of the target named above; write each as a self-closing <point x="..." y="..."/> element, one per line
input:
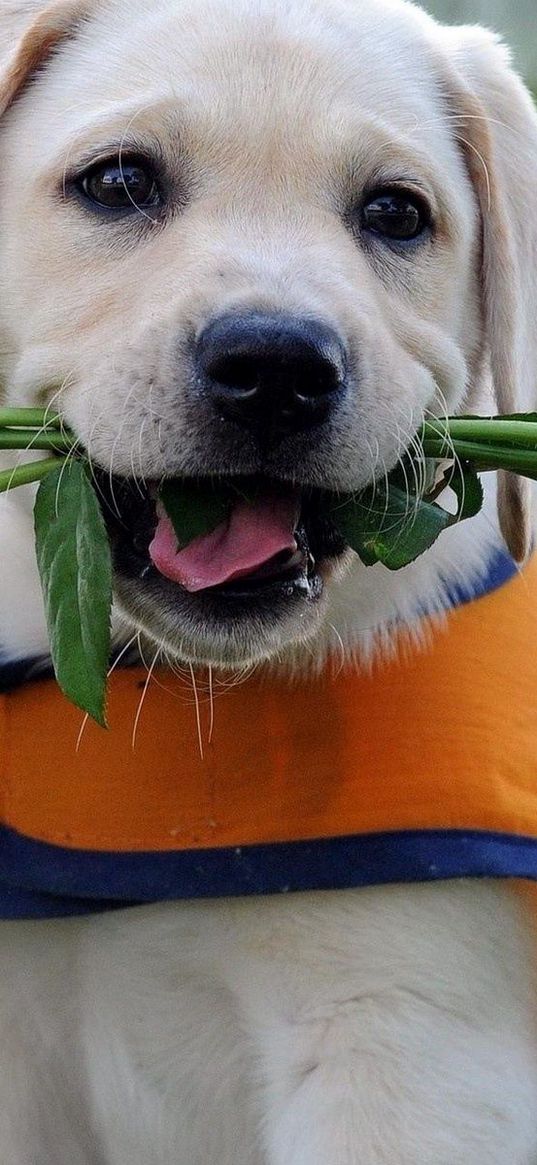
<point x="424" y="768"/>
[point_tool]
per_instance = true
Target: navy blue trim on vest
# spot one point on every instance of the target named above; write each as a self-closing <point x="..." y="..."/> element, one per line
<point x="501" y="570"/>
<point x="59" y="881"/>
<point x="16" y="672"/>
<point x="17" y="904"/>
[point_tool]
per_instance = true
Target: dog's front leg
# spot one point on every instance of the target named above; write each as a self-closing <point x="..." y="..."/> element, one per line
<point x="395" y="1025"/>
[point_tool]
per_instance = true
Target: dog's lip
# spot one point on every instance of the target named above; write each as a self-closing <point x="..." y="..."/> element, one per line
<point x="130" y="510"/>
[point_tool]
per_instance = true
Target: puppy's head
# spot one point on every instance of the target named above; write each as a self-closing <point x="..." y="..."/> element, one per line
<point x="257" y="243"/>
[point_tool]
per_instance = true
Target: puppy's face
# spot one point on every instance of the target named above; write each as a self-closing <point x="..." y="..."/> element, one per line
<point x="241" y="243"/>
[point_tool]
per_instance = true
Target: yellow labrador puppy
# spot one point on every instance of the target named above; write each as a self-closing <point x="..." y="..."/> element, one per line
<point x="265" y="237"/>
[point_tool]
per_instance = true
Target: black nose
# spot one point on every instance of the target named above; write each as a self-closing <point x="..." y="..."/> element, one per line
<point x="271" y="371"/>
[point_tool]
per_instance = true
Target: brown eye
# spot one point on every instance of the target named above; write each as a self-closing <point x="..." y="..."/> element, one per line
<point x="126" y="185"/>
<point x="396" y="215"/>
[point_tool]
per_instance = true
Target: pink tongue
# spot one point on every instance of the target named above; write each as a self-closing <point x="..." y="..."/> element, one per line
<point x="250" y="537"/>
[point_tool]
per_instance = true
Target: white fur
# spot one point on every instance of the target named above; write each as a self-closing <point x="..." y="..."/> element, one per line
<point x="375" y="1026"/>
<point x="390" y="1026"/>
<point x="367" y="1026"/>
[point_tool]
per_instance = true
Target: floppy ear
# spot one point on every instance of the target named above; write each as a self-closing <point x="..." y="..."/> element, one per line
<point x="29" y="32"/>
<point x="495" y="122"/>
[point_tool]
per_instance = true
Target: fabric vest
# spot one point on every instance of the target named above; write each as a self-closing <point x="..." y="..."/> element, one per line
<point x="424" y="767"/>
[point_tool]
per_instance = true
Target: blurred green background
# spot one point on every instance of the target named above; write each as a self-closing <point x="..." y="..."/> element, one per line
<point x="516" y="21"/>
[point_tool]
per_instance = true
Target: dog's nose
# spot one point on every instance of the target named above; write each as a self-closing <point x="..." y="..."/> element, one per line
<point x="271" y="370"/>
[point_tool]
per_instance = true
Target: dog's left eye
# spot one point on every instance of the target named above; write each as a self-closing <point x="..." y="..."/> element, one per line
<point x="395" y="214"/>
<point x="125" y="184"/>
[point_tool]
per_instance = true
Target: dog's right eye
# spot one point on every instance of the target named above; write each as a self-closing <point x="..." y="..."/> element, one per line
<point x="122" y="184"/>
<point x="397" y="215"/>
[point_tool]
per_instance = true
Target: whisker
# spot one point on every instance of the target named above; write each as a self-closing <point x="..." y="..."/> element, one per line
<point x="451" y="452"/>
<point x="198" y="715"/>
<point x="142" y="477"/>
<point x="81" y="733"/>
<point x="342" y="649"/>
<point x="142" y="697"/>
<point x="211" y="705"/>
<point x="108" y="674"/>
<point x="139" y="209"/>
<point x="480" y="157"/>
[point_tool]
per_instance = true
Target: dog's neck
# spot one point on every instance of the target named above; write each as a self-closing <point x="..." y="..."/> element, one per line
<point x="364" y="608"/>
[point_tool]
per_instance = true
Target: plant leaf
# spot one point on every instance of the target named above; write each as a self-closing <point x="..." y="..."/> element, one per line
<point x="193" y="507"/>
<point x="386" y="525"/>
<point x="469" y="490"/>
<point x="73" y="556"/>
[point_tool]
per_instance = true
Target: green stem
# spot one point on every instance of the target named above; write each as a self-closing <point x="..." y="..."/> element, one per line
<point x="485" y="457"/>
<point x="24" y="474"/>
<point x="33" y="418"/>
<point x="518" y="434"/>
<point x="33" y="439"/>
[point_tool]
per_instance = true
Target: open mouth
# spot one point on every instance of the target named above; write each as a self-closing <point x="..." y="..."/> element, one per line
<point x="274" y="542"/>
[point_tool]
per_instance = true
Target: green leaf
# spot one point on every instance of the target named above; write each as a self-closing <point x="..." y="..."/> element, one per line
<point x="430" y="476"/>
<point x="75" y="566"/>
<point x="193" y="507"/>
<point x="386" y="525"/>
<point x="469" y="491"/>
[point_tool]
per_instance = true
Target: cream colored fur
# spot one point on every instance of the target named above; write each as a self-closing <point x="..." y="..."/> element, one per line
<point x="392" y="1025"/>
